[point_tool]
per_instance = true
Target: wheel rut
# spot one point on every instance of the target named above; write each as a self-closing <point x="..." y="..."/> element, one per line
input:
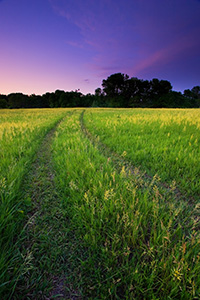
<point x="119" y="162"/>
<point x="46" y="237"/>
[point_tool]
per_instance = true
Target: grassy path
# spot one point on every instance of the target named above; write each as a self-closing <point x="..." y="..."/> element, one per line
<point x="138" y="242"/>
<point x="46" y="243"/>
<point x="21" y="134"/>
<point x="95" y="232"/>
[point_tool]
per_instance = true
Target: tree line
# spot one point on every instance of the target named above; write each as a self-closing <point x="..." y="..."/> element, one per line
<point x="118" y="90"/>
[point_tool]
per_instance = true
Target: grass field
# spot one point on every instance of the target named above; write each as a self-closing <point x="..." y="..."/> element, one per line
<point x="21" y="132"/>
<point x="159" y="141"/>
<point x="100" y="204"/>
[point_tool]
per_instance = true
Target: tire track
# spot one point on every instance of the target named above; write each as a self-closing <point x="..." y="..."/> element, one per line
<point x="120" y="162"/>
<point x="45" y="236"/>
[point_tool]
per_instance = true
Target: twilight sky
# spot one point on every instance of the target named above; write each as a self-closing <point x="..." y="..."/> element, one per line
<point x="73" y="44"/>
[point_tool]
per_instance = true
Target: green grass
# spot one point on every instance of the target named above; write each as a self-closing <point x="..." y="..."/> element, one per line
<point x="21" y="132"/>
<point x="95" y="227"/>
<point x="162" y="141"/>
<point x="136" y="241"/>
<point x="45" y="234"/>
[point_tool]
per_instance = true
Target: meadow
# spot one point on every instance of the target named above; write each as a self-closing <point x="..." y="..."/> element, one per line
<point x="159" y="141"/>
<point x="115" y="200"/>
<point x="21" y="132"/>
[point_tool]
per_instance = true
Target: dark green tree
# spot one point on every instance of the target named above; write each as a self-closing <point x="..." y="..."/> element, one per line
<point x="114" y="85"/>
<point x="114" y="88"/>
<point x="196" y="91"/>
<point x="98" y="92"/>
<point x="3" y="103"/>
<point x="158" y="88"/>
<point x="18" y="100"/>
<point x="193" y="94"/>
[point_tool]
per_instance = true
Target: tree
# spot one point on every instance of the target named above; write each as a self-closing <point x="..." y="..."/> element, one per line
<point x="124" y="92"/>
<point x="193" y="95"/>
<point x="188" y="93"/>
<point x="196" y="91"/>
<point x="138" y="91"/>
<point x="158" y="88"/>
<point x="115" y="89"/>
<point x="98" y="92"/>
<point x="131" y="90"/>
<point x="114" y="85"/>
<point x="17" y="100"/>
<point x="3" y="103"/>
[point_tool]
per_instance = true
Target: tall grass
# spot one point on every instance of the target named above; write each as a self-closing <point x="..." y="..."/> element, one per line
<point x="132" y="238"/>
<point x="162" y="141"/>
<point x="135" y="241"/>
<point x="21" y="132"/>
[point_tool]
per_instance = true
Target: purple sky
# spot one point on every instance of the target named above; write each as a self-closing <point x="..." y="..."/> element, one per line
<point x="73" y="44"/>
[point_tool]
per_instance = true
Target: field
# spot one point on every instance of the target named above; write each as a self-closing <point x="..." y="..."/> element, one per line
<point x="100" y="204"/>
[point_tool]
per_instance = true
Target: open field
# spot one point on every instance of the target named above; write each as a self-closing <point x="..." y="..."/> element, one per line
<point x="100" y="204"/>
<point x="159" y="141"/>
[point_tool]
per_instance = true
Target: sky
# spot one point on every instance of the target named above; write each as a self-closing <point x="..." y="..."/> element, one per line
<point x="47" y="45"/>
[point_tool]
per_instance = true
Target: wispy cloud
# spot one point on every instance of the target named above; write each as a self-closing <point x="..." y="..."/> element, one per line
<point x="132" y="36"/>
<point x="164" y="56"/>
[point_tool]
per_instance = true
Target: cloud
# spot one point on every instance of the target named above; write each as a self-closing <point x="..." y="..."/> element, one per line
<point x="96" y="20"/>
<point x="132" y="36"/>
<point x="182" y="48"/>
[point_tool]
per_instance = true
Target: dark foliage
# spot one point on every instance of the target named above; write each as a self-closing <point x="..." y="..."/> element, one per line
<point x="118" y="91"/>
<point x="3" y="101"/>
